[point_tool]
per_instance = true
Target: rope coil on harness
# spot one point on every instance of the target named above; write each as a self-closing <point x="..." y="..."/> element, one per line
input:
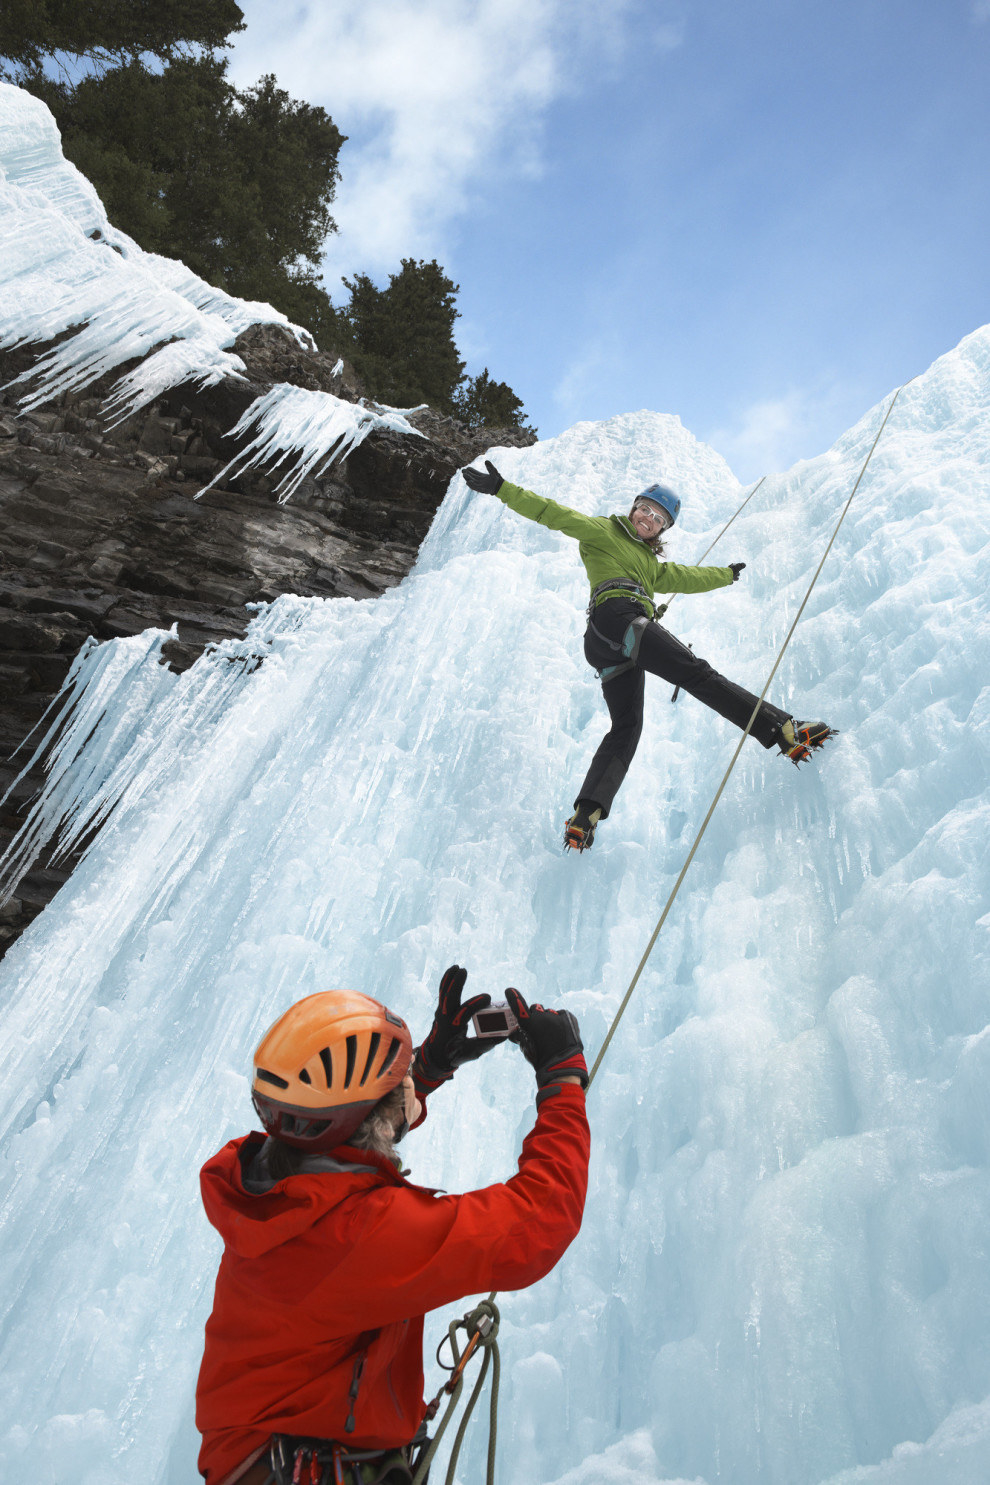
<point x="481" y="1325"/>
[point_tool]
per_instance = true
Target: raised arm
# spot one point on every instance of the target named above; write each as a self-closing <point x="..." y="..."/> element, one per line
<point x="430" y="1250"/>
<point x="533" y="507"/>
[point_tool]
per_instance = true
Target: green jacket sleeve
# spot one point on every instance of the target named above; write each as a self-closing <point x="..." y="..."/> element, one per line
<point x="672" y="577"/>
<point x="549" y="513"/>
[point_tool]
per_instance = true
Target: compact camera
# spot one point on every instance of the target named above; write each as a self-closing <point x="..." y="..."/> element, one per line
<point x="495" y="1020"/>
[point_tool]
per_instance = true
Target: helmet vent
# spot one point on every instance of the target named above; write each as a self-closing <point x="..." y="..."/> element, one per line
<point x="304" y="1077"/>
<point x="264" y="1076"/>
<point x="351" y="1059"/>
<point x="390" y="1056"/>
<point x="372" y="1053"/>
<point x="393" y="1018"/>
<point x="327" y="1061"/>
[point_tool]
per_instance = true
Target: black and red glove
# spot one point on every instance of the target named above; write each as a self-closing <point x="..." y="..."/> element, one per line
<point x="550" y="1040"/>
<point x="447" y="1047"/>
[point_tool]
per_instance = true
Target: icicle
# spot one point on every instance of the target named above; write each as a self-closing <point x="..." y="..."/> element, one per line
<point x="79" y="751"/>
<point x="121" y="719"/>
<point x="312" y="429"/>
<point x="63" y="266"/>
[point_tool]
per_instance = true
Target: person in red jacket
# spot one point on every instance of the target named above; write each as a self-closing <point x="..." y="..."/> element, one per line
<point x="332" y="1258"/>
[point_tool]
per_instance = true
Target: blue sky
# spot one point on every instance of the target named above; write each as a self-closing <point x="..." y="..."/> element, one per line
<point x="761" y="216"/>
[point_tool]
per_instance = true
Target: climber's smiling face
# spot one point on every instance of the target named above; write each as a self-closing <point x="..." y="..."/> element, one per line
<point x="649" y="520"/>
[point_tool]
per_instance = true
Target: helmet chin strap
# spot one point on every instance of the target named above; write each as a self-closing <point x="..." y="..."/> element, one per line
<point x="401" y="1132"/>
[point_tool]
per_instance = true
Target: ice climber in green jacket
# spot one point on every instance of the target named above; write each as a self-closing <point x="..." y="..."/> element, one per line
<point x="623" y="556"/>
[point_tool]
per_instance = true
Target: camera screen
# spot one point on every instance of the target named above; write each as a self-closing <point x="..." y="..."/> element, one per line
<point x="489" y="1021"/>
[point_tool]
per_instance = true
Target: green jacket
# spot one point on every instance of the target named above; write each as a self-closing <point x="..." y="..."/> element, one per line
<point x="610" y="548"/>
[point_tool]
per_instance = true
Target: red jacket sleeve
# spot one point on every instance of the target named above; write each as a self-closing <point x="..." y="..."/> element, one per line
<point x="424" y="1251"/>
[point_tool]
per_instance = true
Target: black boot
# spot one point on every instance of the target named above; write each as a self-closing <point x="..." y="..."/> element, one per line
<point x="798" y="739"/>
<point x="579" y="830"/>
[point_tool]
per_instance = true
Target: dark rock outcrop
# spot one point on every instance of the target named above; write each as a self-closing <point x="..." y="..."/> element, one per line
<point x="106" y="532"/>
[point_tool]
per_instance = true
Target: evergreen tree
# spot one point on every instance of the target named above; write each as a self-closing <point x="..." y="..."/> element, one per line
<point x="236" y="184"/>
<point x="491" y="404"/>
<point x="107" y="33"/>
<point x="404" y="335"/>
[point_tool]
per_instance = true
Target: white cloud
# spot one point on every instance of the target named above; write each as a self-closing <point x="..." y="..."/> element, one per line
<point x="590" y="369"/>
<point x="773" y="433"/>
<point x="763" y="433"/>
<point x="436" y="96"/>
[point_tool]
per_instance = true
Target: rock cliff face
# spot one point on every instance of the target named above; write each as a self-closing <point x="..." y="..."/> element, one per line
<point x="107" y="532"/>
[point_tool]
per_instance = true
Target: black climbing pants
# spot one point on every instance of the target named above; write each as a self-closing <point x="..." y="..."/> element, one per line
<point x="642" y="645"/>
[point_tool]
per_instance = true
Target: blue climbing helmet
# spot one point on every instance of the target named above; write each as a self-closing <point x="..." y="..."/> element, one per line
<point x="664" y="497"/>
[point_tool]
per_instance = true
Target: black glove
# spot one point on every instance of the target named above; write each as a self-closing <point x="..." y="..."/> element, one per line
<point x="447" y="1047"/>
<point x="550" y="1040"/>
<point x="485" y="484"/>
<point x="736" y="568"/>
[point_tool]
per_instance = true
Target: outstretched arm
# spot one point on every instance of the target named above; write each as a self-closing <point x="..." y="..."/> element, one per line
<point x="533" y="507"/>
<point x="674" y="577"/>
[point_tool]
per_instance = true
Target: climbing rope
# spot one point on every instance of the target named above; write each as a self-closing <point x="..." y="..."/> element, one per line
<point x="481" y="1325"/>
<point x="488" y="1307"/>
<point x="659" y="612"/>
<point x="662" y="609"/>
<point x="732" y="762"/>
<point x="729" y="522"/>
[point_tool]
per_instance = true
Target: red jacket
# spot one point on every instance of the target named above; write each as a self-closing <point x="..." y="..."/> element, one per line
<point x="324" y="1266"/>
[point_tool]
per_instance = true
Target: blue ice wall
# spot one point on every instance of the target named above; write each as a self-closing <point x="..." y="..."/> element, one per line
<point x="783" y="1273"/>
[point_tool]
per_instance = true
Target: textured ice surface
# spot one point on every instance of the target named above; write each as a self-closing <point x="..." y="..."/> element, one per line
<point x="65" y="268"/>
<point x="783" y="1274"/>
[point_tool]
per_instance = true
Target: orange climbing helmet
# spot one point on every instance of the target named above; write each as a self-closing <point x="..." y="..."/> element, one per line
<point x="324" y="1064"/>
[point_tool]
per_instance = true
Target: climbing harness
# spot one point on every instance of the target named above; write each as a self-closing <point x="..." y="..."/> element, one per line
<point x="627" y="647"/>
<point x="615" y="586"/>
<point x="481" y="1325"/>
<point x="304" y="1461"/>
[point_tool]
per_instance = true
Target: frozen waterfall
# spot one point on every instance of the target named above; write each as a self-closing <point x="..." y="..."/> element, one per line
<point x="783" y="1276"/>
<point x="783" y="1272"/>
